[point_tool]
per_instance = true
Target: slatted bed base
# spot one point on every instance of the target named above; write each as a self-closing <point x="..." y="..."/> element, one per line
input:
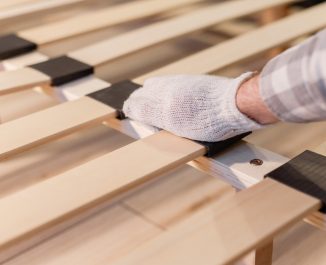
<point x="28" y="40"/>
<point x="111" y="49"/>
<point x="277" y="196"/>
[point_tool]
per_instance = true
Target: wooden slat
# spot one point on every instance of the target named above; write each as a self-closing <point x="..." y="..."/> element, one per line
<point x="168" y="30"/>
<point x="22" y="79"/>
<point x="31" y="8"/>
<point x="228" y="52"/>
<point x="50" y="129"/>
<point x="9" y="3"/>
<point x="176" y="203"/>
<point x="177" y="195"/>
<point x="15" y="105"/>
<point x="199" y="63"/>
<point x="24" y="212"/>
<point x="96" y="20"/>
<point x="238" y="225"/>
<point x="98" y="237"/>
<point x="113" y="48"/>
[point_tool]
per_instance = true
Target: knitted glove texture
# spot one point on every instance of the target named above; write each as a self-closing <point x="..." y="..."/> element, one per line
<point x="199" y="107"/>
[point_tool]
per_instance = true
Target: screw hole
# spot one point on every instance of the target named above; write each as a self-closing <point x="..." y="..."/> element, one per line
<point x="256" y="162"/>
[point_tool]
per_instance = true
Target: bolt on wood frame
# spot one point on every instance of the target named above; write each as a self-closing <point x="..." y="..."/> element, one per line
<point x="159" y="148"/>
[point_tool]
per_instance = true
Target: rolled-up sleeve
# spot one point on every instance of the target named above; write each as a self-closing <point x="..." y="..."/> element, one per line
<point x="293" y="84"/>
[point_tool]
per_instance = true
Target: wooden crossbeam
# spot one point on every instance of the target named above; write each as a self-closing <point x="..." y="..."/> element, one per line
<point x="116" y="47"/>
<point x="202" y="62"/>
<point x="107" y="176"/>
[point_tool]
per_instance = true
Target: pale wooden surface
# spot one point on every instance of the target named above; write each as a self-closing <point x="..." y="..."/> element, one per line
<point x="31" y="101"/>
<point x="73" y="239"/>
<point x="21" y="79"/>
<point x="93" y="186"/>
<point x="19" y="139"/>
<point x="102" y="52"/>
<point x="30" y="8"/>
<point x="243" y="217"/>
<point x="167" y="30"/>
<point x="309" y="251"/>
<point x="8" y="3"/>
<point x="270" y="36"/>
<point x="95" y="20"/>
<point x="49" y="132"/>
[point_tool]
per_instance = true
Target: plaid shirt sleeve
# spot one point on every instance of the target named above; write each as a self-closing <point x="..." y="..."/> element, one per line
<point x="293" y="84"/>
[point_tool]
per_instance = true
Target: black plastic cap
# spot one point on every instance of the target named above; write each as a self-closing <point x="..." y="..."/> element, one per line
<point x="214" y="148"/>
<point x="306" y="173"/>
<point x="115" y="95"/>
<point x="63" y="69"/>
<point x="12" y="45"/>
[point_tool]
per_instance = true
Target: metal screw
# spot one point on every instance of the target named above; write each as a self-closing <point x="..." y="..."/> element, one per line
<point x="256" y="162"/>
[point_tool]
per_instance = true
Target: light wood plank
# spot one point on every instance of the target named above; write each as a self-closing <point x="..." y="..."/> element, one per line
<point x="26" y="214"/>
<point x="228" y="52"/>
<point x="10" y="3"/>
<point x="31" y="8"/>
<point x="102" y="52"/>
<point x="70" y="118"/>
<point x="21" y="79"/>
<point x="96" y="20"/>
<point x="100" y="237"/>
<point x="177" y="195"/>
<point x="249" y="219"/>
<point x="19" y="104"/>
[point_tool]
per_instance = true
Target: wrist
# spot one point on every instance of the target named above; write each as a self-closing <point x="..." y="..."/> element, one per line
<point x="250" y="103"/>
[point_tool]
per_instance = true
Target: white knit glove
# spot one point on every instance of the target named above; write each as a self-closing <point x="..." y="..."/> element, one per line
<point x="199" y="107"/>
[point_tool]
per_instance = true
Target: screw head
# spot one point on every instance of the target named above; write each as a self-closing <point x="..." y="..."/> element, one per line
<point x="256" y="162"/>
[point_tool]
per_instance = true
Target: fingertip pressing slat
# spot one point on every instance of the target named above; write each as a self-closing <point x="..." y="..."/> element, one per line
<point x="13" y="81"/>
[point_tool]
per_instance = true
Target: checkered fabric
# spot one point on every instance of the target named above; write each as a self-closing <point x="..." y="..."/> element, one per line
<point x="293" y="84"/>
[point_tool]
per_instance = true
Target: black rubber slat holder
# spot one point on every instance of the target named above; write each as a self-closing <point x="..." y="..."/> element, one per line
<point x="12" y="45"/>
<point x="306" y="173"/>
<point x="63" y="69"/>
<point x="115" y="95"/>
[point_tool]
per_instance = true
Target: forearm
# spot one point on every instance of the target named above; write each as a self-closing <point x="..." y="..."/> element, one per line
<point x="250" y="103"/>
<point x="291" y="87"/>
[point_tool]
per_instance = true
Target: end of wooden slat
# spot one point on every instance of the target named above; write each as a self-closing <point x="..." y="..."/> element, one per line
<point x="22" y="61"/>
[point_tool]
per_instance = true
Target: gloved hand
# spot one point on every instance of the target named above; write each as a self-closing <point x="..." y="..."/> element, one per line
<point x="199" y="107"/>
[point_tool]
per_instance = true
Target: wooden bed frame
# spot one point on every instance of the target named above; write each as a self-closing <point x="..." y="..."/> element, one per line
<point x="142" y="201"/>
